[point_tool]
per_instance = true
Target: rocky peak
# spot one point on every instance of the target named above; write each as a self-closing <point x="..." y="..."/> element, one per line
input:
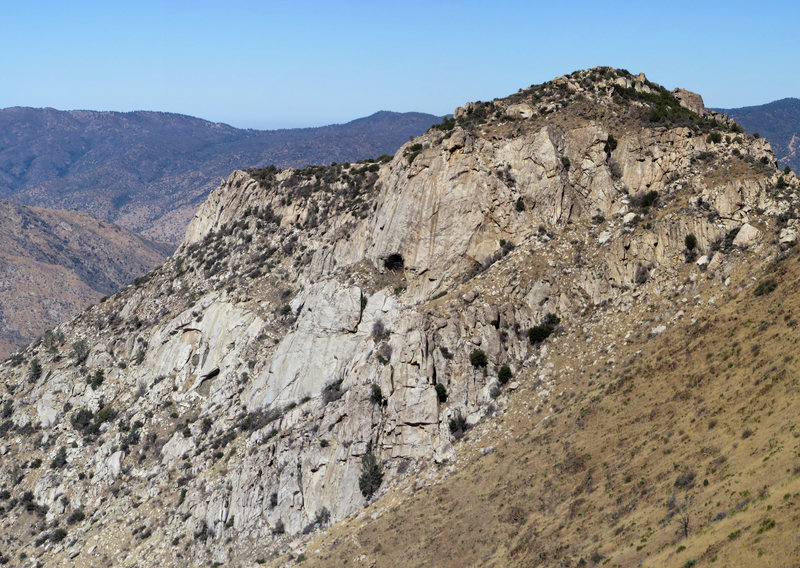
<point x="322" y="333"/>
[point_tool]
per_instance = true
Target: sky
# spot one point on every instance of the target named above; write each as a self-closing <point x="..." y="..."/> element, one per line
<point x="267" y="64"/>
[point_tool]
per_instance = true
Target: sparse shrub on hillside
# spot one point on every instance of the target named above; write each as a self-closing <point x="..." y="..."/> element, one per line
<point x="96" y="380"/>
<point x="458" y="425"/>
<point x="756" y="135"/>
<point x="781" y="184"/>
<point x="412" y="152"/>
<point x="446" y="353"/>
<point x="58" y="535"/>
<point x="88" y="423"/>
<point x="787" y="170"/>
<point x="539" y="333"/>
<point x="565" y="162"/>
<point x="690" y="241"/>
<point x="520" y="205"/>
<point x="714" y="138"/>
<point x="649" y="199"/>
<point x="446" y="125"/>
<point x="641" y="275"/>
<point x="60" y="460"/>
<point x="258" y="419"/>
<point x="15" y="359"/>
<point x="441" y="392"/>
<point x="376" y="395"/>
<point x="379" y="331"/>
<point x="611" y="144"/>
<point x="80" y="351"/>
<point x="76" y="516"/>
<point x="52" y="340"/>
<point x="478" y="358"/>
<point x="138" y="357"/>
<point x="393" y="262"/>
<point x="765" y="287"/>
<point x="504" y="374"/>
<point x="332" y="391"/>
<point x="34" y="370"/>
<point x="371" y="475"/>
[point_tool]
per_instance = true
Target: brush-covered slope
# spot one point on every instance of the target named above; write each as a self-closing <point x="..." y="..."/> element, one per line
<point x="324" y="334"/>
<point x="778" y="122"/>
<point x="149" y="171"/>
<point x="55" y="263"/>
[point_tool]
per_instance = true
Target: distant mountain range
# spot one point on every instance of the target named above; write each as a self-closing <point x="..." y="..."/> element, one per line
<point x="54" y="263"/>
<point x="778" y="122"/>
<point x="149" y="171"/>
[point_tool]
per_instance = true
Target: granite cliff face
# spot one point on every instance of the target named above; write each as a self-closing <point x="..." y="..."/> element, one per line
<point x="313" y="317"/>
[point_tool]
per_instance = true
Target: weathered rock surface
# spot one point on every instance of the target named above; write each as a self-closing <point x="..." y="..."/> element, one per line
<point x="312" y="317"/>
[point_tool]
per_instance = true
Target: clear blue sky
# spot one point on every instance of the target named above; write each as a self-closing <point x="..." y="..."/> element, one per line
<point x="269" y="64"/>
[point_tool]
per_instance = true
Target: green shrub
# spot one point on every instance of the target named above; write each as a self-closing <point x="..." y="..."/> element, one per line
<point x="34" y="370"/>
<point x="539" y="333"/>
<point x="60" y="460"/>
<point x="80" y="351"/>
<point x="781" y="183"/>
<point x="76" y="516"/>
<point x="565" y="162"/>
<point x="96" y="380"/>
<point x="371" y="475"/>
<point x="649" y="198"/>
<point x="139" y="356"/>
<point x="690" y="241"/>
<point x="458" y="425"/>
<point x="787" y="170"/>
<point x="611" y="144"/>
<point x="412" y="152"/>
<point x="478" y="358"/>
<point x="765" y="287"/>
<point x="756" y="135"/>
<point x="766" y="525"/>
<point x="446" y="353"/>
<point x="520" y="204"/>
<point x="714" y="138"/>
<point x="58" y="535"/>
<point x="504" y="375"/>
<point x="376" y="397"/>
<point x="441" y="392"/>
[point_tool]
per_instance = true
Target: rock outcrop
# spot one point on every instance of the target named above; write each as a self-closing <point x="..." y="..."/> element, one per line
<point x="314" y="317"/>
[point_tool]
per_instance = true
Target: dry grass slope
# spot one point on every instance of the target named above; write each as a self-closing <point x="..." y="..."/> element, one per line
<point x="688" y="455"/>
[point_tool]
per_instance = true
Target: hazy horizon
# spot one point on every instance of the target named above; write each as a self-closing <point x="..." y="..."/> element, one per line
<point x="266" y="65"/>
